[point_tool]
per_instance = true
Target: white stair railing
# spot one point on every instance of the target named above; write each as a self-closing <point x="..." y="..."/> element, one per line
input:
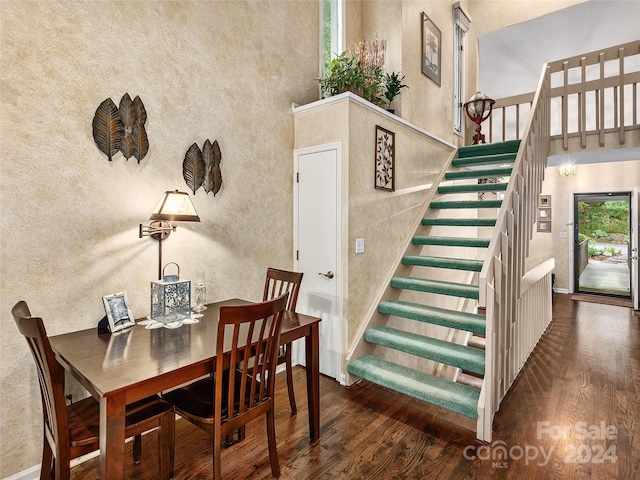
<point x="507" y="333"/>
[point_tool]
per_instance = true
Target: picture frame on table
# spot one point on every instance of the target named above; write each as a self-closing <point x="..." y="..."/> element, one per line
<point x="431" y="49"/>
<point x="118" y="312"/>
<point x="385" y="159"/>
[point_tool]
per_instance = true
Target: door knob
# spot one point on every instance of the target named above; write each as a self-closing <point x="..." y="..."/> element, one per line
<point x="329" y="274"/>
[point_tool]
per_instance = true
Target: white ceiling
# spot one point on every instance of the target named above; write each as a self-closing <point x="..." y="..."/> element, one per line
<point x="511" y="59"/>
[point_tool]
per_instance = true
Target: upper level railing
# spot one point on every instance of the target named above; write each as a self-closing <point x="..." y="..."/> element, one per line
<point x="591" y="94"/>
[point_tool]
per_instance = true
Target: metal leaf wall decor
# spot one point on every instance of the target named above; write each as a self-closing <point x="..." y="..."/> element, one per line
<point x="107" y="128"/>
<point x="193" y="168"/>
<point x="121" y="128"/>
<point x="202" y="168"/>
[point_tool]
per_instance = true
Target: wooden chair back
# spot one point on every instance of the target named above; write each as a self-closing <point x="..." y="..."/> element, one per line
<point x="250" y="381"/>
<point x="281" y="281"/>
<point x="50" y="374"/>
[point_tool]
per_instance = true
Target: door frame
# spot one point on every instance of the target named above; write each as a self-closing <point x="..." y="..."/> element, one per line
<point x="635" y="192"/>
<point x="339" y="334"/>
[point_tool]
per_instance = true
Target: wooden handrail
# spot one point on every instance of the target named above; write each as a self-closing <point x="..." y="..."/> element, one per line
<point x="594" y="98"/>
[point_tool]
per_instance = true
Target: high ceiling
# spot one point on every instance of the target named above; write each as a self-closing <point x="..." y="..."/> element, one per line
<point x="511" y="59"/>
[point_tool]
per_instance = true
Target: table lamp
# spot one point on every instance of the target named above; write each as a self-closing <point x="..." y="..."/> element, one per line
<point x="174" y="206"/>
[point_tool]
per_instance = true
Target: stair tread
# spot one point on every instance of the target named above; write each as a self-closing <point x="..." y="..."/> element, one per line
<point x="459" y="222"/>
<point x="436" y="286"/>
<point x="489" y="173"/>
<point x="438" y="391"/>
<point x="484" y="159"/>
<point x="443" y="262"/>
<point x="509" y="146"/>
<point x="451" y="241"/>
<point x="466" y="204"/>
<point x="478" y="187"/>
<point x="461" y="356"/>
<point x="469" y="322"/>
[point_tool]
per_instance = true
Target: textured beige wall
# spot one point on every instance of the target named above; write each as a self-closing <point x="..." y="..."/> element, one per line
<point x="204" y="69"/>
<point x="589" y="178"/>
<point x="385" y="220"/>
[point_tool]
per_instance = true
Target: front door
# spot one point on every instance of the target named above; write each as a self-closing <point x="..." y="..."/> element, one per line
<point x="316" y="248"/>
<point x="602" y="237"/>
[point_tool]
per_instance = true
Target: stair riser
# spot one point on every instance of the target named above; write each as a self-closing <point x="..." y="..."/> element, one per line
<point x="468" y="174"/>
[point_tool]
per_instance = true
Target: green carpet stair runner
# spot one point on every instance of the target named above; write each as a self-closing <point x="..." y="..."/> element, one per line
<point x="471" y="164"/>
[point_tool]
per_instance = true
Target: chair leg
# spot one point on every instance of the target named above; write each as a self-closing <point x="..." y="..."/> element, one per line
<point x="292" y="397"/>
<point x="46" y="469"/>
<point x="271" y="439"/>
<point x="137" y="448"/>
<point x="217" y="450"/>
<point x="166" y="445"/>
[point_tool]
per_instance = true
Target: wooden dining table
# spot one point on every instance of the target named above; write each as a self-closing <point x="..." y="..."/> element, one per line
<point x="126" y="366"/>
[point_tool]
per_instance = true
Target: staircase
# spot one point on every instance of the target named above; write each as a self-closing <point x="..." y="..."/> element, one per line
<point x="472" y="164"/>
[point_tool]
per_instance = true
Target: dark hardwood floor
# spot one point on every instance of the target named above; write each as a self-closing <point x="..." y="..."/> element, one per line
<point x="574" y="412"/>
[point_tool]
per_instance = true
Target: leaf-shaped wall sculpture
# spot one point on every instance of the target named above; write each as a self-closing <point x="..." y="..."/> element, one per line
<point x="140" y="141"/>
<point x="128" y="118"/>
<point x="141" y="112"/>
<point x="217" y="173"/>
<point x="193" y="168"/>
<point x="107" y="128"/>
<point x="207" y="156"/>
<point x="133" y="115"/>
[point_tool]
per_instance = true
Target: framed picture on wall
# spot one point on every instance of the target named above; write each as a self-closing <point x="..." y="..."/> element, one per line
<point x="544" y="227"/>
<point x="544" y="213"/>
<point x="431" y="49"/>
<point x="545" y="201"/>
<point x="385" y="159"/>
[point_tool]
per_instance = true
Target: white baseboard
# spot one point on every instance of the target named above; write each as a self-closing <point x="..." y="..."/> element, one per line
<point x="32" y="473"/>
<point x="561" y="290"/>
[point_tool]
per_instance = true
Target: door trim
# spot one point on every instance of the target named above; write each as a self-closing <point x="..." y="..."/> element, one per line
<point x="340" y="333"/>
<point x="633" y="192"/>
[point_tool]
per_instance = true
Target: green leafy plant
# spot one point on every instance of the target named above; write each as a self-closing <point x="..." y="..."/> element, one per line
<point x="599" y="234"/>
<point x="582" y="237"/>
<point x="343" y="73"/>
<point x="393" y="86"/>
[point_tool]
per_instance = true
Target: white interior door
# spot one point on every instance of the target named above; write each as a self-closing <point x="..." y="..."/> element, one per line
<point x="316" y="249"/>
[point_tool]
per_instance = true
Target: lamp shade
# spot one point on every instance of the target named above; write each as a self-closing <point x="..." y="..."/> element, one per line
<point x="175" y="207"/>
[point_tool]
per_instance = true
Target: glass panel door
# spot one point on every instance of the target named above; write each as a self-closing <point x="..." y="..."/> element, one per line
<point x="602" y="244"/>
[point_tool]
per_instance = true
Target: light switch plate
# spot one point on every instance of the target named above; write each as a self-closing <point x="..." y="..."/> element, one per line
<point x="360" y="245"/>
<point x="563" y="234"/>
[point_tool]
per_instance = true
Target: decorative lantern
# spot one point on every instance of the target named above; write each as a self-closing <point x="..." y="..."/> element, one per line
<point x="170" y="297"/>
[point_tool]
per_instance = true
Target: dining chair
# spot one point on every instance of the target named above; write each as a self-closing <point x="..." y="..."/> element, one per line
<point x="276" y="283"/>
<point x="74" y="430"/>
<point x="242" y="385"/>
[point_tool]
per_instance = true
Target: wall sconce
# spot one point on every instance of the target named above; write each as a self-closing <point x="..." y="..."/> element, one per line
<point x="567" y="169"/>
<point x="173" y="207"/>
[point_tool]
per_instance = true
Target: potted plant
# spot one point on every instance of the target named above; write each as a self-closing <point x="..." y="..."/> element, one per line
<point x="344" y="73"/>
<point x="392" y="87"/>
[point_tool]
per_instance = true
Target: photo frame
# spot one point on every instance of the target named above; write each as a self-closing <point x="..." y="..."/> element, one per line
<point x="118" y="311"/>
<point x="431" y="49"/>
<point x="544" y="213"/>
<point x="385" y="159"/>
<point x="545" y="201"/>
<point x="544" y="227"/>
